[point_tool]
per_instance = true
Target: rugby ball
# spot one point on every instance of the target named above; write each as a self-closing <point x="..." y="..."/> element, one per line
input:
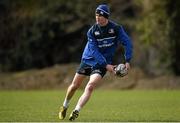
<point x="120" y="70"/>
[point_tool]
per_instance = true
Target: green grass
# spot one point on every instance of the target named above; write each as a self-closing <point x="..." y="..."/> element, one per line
<point x="106" y="105"/>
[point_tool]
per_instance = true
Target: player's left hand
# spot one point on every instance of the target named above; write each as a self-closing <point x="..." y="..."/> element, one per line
<point x="128" y="67"/>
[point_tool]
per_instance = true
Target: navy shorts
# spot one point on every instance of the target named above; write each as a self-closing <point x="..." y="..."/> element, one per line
<point x="88" y="70"/>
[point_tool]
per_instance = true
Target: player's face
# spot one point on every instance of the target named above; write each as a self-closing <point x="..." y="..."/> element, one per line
<point x="102" y="21"/>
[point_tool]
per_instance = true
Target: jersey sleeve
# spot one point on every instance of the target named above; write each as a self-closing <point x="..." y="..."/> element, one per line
<point x="124" y="39"/>
<point x="93" y="47"/>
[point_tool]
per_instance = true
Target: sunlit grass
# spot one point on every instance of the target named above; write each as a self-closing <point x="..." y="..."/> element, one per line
<point x="103" y="106"/>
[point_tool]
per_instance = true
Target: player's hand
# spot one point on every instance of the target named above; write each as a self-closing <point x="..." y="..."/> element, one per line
<point x="110" y="68"/>
<point x="128" y="67"/>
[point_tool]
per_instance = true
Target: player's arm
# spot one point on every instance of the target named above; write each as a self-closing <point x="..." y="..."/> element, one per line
<point x="127" y="43"/>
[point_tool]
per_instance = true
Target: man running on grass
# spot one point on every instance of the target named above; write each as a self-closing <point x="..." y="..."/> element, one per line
<point x="103" y="38"/>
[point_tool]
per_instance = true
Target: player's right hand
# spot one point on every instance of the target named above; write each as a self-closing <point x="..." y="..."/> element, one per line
<point x="110" y="68"/>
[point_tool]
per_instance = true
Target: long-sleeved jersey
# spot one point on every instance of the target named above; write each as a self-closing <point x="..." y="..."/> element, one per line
<point x="102" y="43"/>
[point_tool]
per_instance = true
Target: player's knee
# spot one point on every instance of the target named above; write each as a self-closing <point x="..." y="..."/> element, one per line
<point x="89" y="87"/>
<point x="75" y="86"/>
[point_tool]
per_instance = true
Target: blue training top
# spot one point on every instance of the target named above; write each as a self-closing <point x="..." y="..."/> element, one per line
<point x="102" y="43"/>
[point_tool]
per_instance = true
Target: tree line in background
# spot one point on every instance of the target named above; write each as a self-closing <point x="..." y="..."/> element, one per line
<point x="37" y="34"/>
<point x="159" y="33"/>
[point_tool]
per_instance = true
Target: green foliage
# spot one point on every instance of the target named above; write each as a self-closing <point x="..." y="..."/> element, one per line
<point x="153" y="27"/>
<point x="153" y="24"/>
<point x="36" y="34"/>
<point x="158" y="29"/>
<point x="173" y="11"/>
<point x="43" y="33"/>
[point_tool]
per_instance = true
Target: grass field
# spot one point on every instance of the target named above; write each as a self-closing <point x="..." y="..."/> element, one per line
<point x="106" y="106"/>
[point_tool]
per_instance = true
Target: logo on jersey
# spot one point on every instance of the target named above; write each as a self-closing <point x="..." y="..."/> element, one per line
<point x="97" y="33"/>
<point x="111" y="31"/>
<point x="101" y="12"/>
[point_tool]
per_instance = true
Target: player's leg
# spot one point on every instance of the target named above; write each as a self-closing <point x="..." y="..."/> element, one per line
<point x="78" y="78"/>
<point x="93" y="81"/>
